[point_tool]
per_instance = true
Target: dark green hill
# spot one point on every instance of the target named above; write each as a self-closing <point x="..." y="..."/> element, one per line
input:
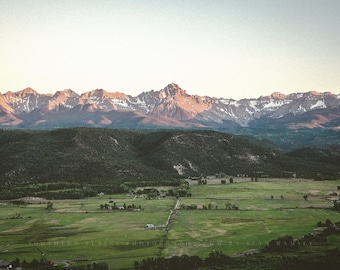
<point x="88" y="160"/>
<point x="287" y="139"/>
<point x="326" y="156"/>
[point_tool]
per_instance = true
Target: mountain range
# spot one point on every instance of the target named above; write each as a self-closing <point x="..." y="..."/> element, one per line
<point x="172" y="107"/>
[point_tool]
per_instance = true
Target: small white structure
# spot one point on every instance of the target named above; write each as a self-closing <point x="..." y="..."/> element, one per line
<point x="150" y="226"/>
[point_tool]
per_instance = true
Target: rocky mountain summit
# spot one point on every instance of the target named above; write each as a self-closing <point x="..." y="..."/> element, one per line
<point x="168" y="107"/>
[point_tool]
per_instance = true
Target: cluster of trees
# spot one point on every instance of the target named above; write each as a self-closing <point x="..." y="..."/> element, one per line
<point x="283" y="243"/>
<point x="287" y="242"/>
<point x="60" y="191"/>
<point x="231" y="180"/>
<point x="336" y="205"/>
<point x="215" y="258"/>
<point x="73" y="190"/>
<point x="19" y="202"/>
<point x="93" y="266"/>
<point x="231" y="206"/>
<point x="188" y="207"/>
<point x="158" y="183"/>
<point x="66" y="194"/>
<point x="330" y="228"/>
<point x="212" y="205"/>
<point x="150" y="193"/>
<point x="182" y="190"/>
<point x="16" y="216"/>
<point x="107" y="206"/>
<point x="202" y="181"/>
<point x="34" y="264"/>
<point x="49" y="206"/>
<point x="328" y="223"/>
<point x="47" y="265"/>
<point x="153" y="193"/>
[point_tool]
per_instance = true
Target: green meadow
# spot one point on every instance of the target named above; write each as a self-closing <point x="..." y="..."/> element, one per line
<point x="266" y="211"/>
<point x="80" y="229"/>
<point x="76" y="229"/>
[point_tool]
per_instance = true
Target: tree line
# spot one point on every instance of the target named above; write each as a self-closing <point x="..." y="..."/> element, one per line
<point x="47" y="265"/>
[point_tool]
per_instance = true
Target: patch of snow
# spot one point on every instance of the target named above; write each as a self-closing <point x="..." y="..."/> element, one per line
<point x="279" y="116"/>
<point x="248" y="111"/>
<point x="27" y="106"/>
<point x="229" y="102"/>
<point x="253" y="103"/>
<point x="234" y="103"/>
<point x="232" y="114"/>
<point x="272" y="104"/>
<point x="120" y="102"/>
<point x="319" y="104"/>
<point x="301" y="109"/>
<point x="143" y="105"/>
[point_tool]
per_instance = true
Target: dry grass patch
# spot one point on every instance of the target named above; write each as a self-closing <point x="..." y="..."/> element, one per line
<point x="194" y="234"/>
<point x="237" y="220"/>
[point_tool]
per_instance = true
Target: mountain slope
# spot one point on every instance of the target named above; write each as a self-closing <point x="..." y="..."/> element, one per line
<point x="98" y="157"/>
<point x="329" y="156"/>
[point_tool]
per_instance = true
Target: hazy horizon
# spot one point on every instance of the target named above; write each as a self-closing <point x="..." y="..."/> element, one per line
<point x="230" y="49"/>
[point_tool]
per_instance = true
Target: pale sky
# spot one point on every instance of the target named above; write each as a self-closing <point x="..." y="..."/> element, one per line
<point x="229" y="48"/>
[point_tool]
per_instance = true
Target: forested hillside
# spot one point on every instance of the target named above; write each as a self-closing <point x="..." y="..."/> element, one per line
<point x="88" y="160"/>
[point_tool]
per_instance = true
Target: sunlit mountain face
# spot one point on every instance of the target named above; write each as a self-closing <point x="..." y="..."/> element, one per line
<point x="169" y="107"/>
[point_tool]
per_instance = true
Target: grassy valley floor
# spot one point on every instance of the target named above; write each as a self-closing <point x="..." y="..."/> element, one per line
<point x="82" y="229"/>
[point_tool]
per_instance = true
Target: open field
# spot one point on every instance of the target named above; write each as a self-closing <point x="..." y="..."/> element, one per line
<point x="81" y="229"/>
<point x="259" y="218"/>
